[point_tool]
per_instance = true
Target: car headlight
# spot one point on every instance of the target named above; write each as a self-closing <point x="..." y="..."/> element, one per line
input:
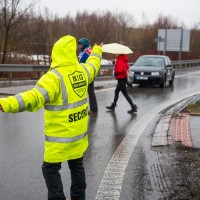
<point x="132" y="72"/>
<point x="155" y="73"/>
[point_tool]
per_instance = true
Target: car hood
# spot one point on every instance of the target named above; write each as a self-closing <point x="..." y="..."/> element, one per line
<point x="146" y="68"/>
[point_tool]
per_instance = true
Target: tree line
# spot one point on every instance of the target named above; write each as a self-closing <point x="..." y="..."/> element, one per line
<point x="24" y="33"/>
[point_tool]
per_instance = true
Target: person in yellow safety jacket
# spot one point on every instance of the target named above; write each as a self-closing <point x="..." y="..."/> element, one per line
<point x="62" y="91"/>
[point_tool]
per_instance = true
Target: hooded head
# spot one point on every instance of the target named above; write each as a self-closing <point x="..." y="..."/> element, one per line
<point x="64" y="52"/>
<point x="85" y="42"/>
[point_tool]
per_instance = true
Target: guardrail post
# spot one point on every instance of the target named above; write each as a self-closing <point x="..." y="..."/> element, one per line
<point x="10" y="76"/>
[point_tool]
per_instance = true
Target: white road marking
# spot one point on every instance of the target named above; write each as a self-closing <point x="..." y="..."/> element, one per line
<point x="111" y="183"/>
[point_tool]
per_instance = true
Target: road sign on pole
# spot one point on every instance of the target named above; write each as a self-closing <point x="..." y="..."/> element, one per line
<point x="174" y="40"/>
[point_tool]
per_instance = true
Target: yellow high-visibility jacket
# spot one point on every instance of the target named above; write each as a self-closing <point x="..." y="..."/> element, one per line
<point x="62" y="91"/>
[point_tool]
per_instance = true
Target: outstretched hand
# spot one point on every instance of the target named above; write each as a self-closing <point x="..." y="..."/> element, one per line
<point x="1" y="109"/>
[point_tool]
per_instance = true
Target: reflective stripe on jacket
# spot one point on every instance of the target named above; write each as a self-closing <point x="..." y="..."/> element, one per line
<point x="63" y="93"/>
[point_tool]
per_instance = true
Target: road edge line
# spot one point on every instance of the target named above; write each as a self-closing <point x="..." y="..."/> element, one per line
<point x="111" y="183"/>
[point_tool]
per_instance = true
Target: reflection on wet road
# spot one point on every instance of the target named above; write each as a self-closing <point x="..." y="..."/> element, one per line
<point x="21" y="138"/>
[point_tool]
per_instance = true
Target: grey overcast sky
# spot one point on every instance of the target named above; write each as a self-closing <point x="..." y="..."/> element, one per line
<point x="183" y="11"/>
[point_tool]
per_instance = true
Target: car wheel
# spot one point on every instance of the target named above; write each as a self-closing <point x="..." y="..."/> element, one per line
<point x="171" y="82"/>
<point x="163" y="84"/>
<point x="141" y="85"/>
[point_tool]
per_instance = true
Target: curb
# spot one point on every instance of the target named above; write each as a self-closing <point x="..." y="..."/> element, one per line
<point x="112" y="180"/>
<point x="173" y="127"/>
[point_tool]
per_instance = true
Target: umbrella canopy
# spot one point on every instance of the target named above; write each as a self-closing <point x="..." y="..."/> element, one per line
<point x="116" y="48"/>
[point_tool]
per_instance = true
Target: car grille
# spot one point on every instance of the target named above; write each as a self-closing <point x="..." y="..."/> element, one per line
<point x="142" y="73"/>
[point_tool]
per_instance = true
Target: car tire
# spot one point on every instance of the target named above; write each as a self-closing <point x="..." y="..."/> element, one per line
<point x="171" y="82"/>
<point x="141" y="85"/>
<point x="163" y="84"/>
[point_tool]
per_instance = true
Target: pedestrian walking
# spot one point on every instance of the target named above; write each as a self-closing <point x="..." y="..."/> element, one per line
<point x="85" y="50"/>
<point x="62" y="91"/>
<point x="120" y="72"/>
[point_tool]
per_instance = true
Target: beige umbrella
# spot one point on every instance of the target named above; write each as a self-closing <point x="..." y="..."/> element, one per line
<point x="116" y="48"/>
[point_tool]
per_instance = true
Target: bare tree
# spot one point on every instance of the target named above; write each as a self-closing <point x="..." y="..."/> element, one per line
<point x="165" y="22"/>
<point x="25" y="32"/>
<point x="96" y="26"/>
<point x="125" y="21"/>
<point x="11" y="14"/>
<point x="105" y="26"/>
<point x="195" y="41"/>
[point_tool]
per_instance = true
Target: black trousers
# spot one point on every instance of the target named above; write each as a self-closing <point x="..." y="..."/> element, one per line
<point x="92" y="98"/>
<point x="121" y="86"/>
<point x="54" y="183"/>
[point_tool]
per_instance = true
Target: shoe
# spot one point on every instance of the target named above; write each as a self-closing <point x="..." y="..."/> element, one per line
<point x="111" y="107"/>
<point x="134" y="109"/>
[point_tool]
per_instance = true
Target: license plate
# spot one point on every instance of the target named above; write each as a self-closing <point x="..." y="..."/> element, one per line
<point x="142" y="78"/>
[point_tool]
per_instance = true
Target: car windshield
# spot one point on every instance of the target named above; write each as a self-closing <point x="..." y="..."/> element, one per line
<point x="149" y="61"/>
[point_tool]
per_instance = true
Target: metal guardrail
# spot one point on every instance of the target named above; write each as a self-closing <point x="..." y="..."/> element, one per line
<point x="186" y="63"/>
<point x="38" y="70"/>
<point x="23" y="68"/>
<point x="44" y="68"/>
<point x="33" y="68"/>
<point x="106" y="70"/>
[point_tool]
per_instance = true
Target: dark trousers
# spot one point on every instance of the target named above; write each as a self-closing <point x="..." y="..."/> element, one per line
<point x="121" y="86"/>
<point x="54" y="183"/>
<point x="92" y="98"/>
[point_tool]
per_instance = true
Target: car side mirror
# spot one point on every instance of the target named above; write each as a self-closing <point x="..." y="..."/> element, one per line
<point x="167" y="66"/>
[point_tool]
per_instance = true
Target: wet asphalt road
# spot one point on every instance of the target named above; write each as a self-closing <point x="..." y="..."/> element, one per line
<point x="21" y="142"/>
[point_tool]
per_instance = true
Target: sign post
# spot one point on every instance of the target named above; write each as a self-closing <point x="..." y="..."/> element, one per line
<point x="159" y="39"/>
